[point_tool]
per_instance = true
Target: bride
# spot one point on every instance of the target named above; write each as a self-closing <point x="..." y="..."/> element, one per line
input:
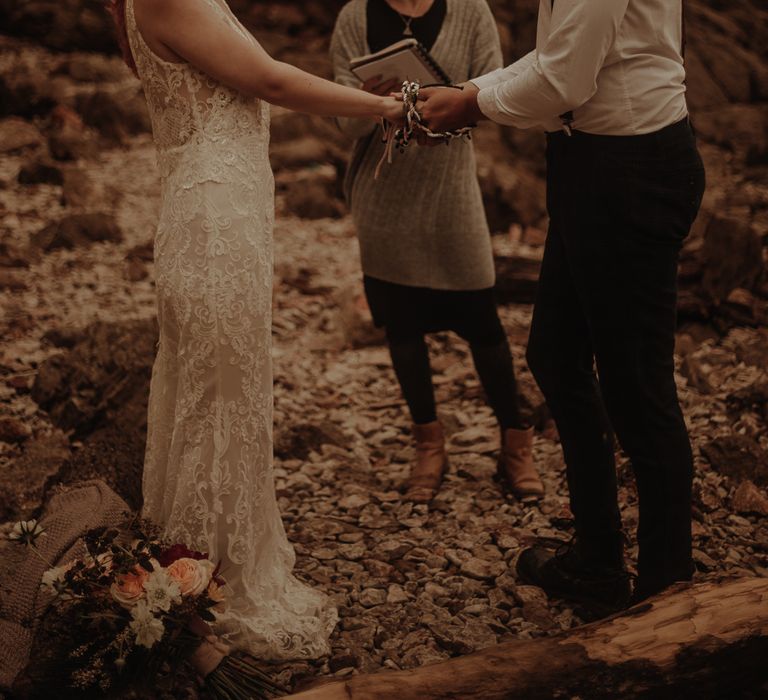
<point x="208" y="469"/>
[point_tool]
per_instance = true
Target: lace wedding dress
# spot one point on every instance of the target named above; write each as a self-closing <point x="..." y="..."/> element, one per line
<point x="208" y="471"/>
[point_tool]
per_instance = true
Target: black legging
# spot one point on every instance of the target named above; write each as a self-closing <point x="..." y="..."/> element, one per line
<point x="493" y="362"/>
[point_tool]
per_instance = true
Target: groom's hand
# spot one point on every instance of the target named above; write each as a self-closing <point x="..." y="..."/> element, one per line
<point x="447" y="108"/>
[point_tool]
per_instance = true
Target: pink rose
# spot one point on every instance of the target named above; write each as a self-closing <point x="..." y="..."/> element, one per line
<point x="192" y="575"/>
<point x="128" y="589"/>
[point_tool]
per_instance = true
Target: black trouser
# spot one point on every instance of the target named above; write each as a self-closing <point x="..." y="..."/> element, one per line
<point x="620" y="208"/>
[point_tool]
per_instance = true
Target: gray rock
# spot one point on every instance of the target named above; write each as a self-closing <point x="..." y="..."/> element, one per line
<point x="482" y="569"/>
<point x="16" y="134"/>
<point x="13" y="430"/>
<point x="343" y="661"/>
<point x="351" y="537"/>
<point x="313" y="197"/>
<point x="421" y="656"/>
<point x="731" y="257"/>
<point x="13" y="281"/>
<point x="703" y="560"/>
<point x="749" y="499"/>
<point x="540" y="615"/>
<point x="353" y="552"/>
<point x="77" y="230"/>
<point x="299" y="439"/>
<point x="355" y="322"/>
<point x="40" y="171"/>
<point x="115" y="115"/>
<point x="392" y="550"/>
<point x="24" y="486"/>
<point x="354" y="501"/>
<point x="104" y="378"/>
<point x="371" y="597"/>
<point x="530" y="594"/>
<point x="324" y="554"/>
<point x="378" y="569"/>
<point x="738" y="456"/>
<point x="396" y="594"/>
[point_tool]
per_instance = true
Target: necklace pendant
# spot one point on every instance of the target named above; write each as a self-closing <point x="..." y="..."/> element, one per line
<point x="407" y="32"/>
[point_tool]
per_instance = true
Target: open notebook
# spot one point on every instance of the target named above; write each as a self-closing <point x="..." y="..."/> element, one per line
<point x="404" y="60"/>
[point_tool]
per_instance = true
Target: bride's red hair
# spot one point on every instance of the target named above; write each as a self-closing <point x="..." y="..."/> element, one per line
<point x="116" y="8"/>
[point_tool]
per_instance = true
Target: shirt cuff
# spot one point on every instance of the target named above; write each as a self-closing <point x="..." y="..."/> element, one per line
<point x="487" y="80"/>
<point x="486" y="101"/>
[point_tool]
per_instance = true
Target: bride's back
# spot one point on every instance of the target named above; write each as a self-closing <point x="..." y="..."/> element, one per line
<point x="188" y="107"/>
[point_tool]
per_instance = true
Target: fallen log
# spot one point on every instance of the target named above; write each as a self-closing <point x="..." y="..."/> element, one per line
<point x="708" y="640"/>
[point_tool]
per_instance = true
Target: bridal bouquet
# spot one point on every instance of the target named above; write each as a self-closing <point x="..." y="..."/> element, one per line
<point x="131" y="611"/>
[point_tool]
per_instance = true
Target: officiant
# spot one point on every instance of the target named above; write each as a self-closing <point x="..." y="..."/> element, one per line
<point x="424" y="241"/>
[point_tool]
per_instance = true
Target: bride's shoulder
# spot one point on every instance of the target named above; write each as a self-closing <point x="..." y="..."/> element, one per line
<point x="166" y="9"/>
<point x="190" y="17"/>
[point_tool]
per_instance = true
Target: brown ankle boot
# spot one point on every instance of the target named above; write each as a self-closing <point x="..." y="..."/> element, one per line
<point x="431" y="463"/>
<point x="515" y="468"/>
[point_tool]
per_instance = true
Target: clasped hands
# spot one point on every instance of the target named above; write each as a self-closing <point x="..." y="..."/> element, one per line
<point x="441" y="108"/>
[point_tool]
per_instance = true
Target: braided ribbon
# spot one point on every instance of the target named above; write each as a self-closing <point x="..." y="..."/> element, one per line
<point x="398" y="137"/>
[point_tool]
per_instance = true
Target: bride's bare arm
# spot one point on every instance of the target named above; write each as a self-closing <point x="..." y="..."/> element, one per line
<point x="195" y="32"/>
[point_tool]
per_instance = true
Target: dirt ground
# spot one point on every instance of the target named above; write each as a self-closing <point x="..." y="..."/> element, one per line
<point x="414" y="584"/>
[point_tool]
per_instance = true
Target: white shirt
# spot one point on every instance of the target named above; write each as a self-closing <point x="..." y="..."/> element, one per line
<point x="616" y="63"/>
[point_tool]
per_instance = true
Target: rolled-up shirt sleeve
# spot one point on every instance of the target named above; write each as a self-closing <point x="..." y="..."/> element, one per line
<point x="501" y="74"/>
<point x="559" y="76"/>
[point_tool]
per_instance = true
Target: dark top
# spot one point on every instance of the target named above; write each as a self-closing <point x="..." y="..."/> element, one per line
<point x="386" y="26"/>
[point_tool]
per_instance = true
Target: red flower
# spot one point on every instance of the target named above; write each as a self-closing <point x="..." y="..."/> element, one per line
<point x="176" y="552"/>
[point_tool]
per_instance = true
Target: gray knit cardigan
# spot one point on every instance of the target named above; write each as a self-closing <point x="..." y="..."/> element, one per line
<point x="422" y="222"/>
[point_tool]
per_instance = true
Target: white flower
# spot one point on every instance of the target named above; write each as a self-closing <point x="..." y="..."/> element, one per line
<point x="161" y="590"/>
<point x="147" y="628"/>
<point x="54" y="576"/>
<point x="26" y="532"/>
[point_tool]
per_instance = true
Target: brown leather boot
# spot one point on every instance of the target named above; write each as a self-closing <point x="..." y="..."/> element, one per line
<point x="431" y="463"/>
<point x="515" y="468"/>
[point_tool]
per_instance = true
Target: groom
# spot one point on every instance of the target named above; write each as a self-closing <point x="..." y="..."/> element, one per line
<point x="624" y="181"/>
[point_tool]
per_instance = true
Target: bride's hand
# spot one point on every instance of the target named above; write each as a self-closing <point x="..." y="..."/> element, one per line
<point x="392" y="110"/>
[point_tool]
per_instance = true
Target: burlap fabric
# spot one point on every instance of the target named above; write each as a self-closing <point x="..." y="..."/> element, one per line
<point x="68" y="515"/>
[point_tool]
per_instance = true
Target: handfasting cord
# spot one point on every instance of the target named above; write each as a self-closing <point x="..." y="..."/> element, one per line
<point x="400" y="136"/>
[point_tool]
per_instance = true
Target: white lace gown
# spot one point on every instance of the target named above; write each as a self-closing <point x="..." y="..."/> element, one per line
<point x="208" y="475"/>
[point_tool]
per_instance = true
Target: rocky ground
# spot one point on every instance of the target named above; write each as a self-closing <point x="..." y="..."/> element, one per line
<point x="414" y="584"/>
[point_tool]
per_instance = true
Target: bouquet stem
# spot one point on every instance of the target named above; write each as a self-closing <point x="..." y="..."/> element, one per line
<point x="238" y="677"/>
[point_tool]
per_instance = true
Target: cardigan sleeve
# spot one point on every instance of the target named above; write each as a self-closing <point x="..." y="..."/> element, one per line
<point x="486" y="45"/>
<point x="347" y="43"/>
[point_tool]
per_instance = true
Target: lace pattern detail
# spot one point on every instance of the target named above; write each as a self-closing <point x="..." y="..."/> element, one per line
<point x="208" y="467"/>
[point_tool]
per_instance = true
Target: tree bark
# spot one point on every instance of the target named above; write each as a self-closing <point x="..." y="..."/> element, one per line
<point x="707" y="640"/>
